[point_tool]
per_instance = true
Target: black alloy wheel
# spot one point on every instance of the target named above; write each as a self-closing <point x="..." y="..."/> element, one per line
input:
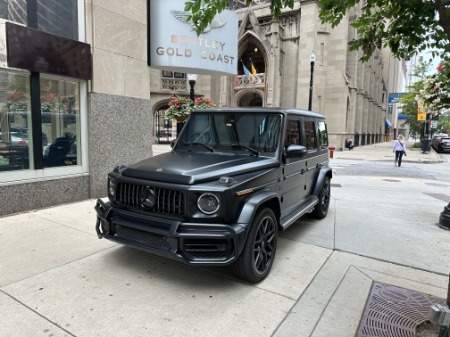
<point x="258" y="255"/>
<point x="321" y="209"/>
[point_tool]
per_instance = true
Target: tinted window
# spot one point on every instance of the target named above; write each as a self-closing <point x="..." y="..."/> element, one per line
<point x="14" y="10"/>
<point x="293" y="134"/>
<point x="58" y="17"/>
<point x="232" y="131"/>
<point x="310" y="135"/>
<point x="323" y="135"/>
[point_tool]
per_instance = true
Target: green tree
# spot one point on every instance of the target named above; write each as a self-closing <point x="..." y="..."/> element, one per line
<point x="407" y="27"/>
<point x="409" y="100"/>
<point x="435" y="92"/>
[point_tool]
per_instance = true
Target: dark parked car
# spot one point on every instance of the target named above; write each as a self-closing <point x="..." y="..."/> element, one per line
<point x="234" y="178"/>
<point x="441" y="144"/>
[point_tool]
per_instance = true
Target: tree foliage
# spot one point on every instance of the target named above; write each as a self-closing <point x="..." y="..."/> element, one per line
<point x="407" y="27"/>
<point x="409" y="100"/>
<point x="435" y="93"/>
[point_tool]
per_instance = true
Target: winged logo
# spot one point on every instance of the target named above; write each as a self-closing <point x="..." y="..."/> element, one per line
<point x="182" y="16"/>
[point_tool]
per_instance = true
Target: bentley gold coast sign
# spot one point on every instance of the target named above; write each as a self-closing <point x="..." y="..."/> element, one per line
<point x="175" y="46"/>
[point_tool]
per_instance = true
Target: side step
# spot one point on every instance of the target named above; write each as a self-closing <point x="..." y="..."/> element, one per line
<point x="300" y="210"/>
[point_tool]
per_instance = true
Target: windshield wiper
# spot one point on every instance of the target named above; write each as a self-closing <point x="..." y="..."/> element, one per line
<point x="248" y="148"/>
<point x="201" y="144"/>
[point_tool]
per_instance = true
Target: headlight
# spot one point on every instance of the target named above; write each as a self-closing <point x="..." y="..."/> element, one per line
<point x="208" y="203"/>
<point x="112" y="187"/>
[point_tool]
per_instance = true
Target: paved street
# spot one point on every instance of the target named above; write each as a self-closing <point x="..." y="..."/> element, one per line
<point x="58" y="279"/>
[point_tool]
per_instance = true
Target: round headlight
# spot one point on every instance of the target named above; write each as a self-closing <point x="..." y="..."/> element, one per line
<point x="208" y="203"/>
<point x="112" y="187"/>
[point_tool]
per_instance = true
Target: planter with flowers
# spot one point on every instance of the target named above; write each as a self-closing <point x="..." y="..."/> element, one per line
<point x="181" y="107"/>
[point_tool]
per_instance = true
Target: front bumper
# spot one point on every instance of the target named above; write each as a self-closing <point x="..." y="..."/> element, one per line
<point x="191" y="243"/>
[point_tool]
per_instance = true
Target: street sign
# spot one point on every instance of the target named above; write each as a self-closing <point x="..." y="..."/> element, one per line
<point x="434" y="124"/>
<point x="395" y="96"/>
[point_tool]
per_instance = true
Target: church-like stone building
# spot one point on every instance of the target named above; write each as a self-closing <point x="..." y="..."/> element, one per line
<point x="276" y="54"/>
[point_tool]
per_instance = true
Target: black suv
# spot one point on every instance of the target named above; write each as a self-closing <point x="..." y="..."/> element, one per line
<point x="234" y="178"/>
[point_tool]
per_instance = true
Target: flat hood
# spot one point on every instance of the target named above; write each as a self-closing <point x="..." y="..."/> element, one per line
<point x="196" y="167"/>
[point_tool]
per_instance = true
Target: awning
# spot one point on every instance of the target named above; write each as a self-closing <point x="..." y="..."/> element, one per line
<point x="387" y="122"/>
<point x="402" y="116"/>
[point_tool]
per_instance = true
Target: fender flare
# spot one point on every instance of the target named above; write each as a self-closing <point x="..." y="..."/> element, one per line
<point x="324" y="172"/>
<point x="251" y="206"/>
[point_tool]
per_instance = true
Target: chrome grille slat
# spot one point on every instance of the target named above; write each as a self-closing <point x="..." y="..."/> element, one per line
<point x="167" y="201"/>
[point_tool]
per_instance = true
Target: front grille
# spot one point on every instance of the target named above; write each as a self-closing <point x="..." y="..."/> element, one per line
<point x="142" y="237"/>
<point x="166" y="201"/>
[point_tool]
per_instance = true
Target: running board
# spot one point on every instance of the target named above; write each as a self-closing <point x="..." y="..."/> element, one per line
<point x="306" y="207"/>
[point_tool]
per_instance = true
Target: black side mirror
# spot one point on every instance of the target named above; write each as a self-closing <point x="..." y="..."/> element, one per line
<point x="296" y="151"/>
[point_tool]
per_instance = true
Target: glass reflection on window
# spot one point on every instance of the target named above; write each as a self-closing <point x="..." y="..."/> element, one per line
<point x="60" y="122"/>
<point x="14" y="10"/>
<point x="15" y="122"/>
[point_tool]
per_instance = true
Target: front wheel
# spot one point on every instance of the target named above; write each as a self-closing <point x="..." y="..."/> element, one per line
<point x="258" y="255"/>
<point x="321" y="209"/>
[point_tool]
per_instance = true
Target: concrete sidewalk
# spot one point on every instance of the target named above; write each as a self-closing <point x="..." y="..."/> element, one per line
<point x="383" y="152"/>
<point x="58" y="279"/>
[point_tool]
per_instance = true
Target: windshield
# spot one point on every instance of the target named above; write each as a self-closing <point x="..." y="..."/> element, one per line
<point x="248" y="132"/>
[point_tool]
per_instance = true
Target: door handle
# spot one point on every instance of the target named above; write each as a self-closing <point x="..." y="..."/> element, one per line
<point x="302" y="171"/>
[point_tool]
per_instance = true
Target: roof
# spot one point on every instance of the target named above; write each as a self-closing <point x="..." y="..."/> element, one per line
<point x="284" y="111"/>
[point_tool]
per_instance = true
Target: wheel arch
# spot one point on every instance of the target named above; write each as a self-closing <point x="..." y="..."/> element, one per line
<point x="267" y="199"/>
<point x="322" y="174"/>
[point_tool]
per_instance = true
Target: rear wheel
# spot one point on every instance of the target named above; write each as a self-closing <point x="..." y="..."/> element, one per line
<point x="258" y="255"/>
<point x="321" y="209"/>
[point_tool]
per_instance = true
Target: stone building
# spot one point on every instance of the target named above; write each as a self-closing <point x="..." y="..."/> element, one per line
<point x="351" y="94"/>
<point x="68" y="116"/>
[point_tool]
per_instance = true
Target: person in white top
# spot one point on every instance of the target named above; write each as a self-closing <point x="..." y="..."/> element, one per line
<point x="400" y="149"/>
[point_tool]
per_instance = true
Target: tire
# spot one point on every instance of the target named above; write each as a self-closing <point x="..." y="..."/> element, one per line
<point x="257" y="257"/>
<point x="321" y="209"/>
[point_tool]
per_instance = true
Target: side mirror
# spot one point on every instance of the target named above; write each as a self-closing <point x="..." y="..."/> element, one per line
<point x="296" y="151"/>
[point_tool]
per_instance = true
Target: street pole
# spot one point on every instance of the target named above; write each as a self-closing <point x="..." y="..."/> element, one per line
<point x="312" y="60"/>
<point x="192" y="80"/>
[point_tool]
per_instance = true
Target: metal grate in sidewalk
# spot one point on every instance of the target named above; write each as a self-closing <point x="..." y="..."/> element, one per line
<point x="394" y="312"/>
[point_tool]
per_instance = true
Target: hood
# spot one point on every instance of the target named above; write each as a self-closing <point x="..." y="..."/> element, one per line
<point x="191" y="168"/>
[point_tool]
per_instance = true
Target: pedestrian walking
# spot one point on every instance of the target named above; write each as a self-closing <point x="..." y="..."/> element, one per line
<point x="399" y="149"/>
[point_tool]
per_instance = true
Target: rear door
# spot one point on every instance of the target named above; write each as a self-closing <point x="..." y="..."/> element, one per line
<point x="315" y="142"/>
<point x="294" y="168"/>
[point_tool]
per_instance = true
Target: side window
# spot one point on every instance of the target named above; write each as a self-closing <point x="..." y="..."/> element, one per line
<point x="323" y="135"/>
<point x="310" y="135"/>
<point x="293" y="134"/>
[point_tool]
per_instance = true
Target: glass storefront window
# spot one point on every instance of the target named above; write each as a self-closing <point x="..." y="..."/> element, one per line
<point x="60" y="108"/>
<point x="14" y="10"/>
<point x="58" y="17"/>
<point x="15" y="122"/>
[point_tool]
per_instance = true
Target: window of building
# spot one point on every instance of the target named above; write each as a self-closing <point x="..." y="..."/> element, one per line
<point x="58" y="17"/>
<point x="43" y="124"/>
<point x="52" y="16"/>
<point x="60" y="129"/>
<point x="60" y="109"/>
<point x="14" y="11"/>
<point x="15" y="122"/>
<point x="172" y="74"/>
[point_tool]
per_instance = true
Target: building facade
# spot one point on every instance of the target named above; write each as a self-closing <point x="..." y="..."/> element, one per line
<point x="351" y="94"/>
<point x="66" y="122"/>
